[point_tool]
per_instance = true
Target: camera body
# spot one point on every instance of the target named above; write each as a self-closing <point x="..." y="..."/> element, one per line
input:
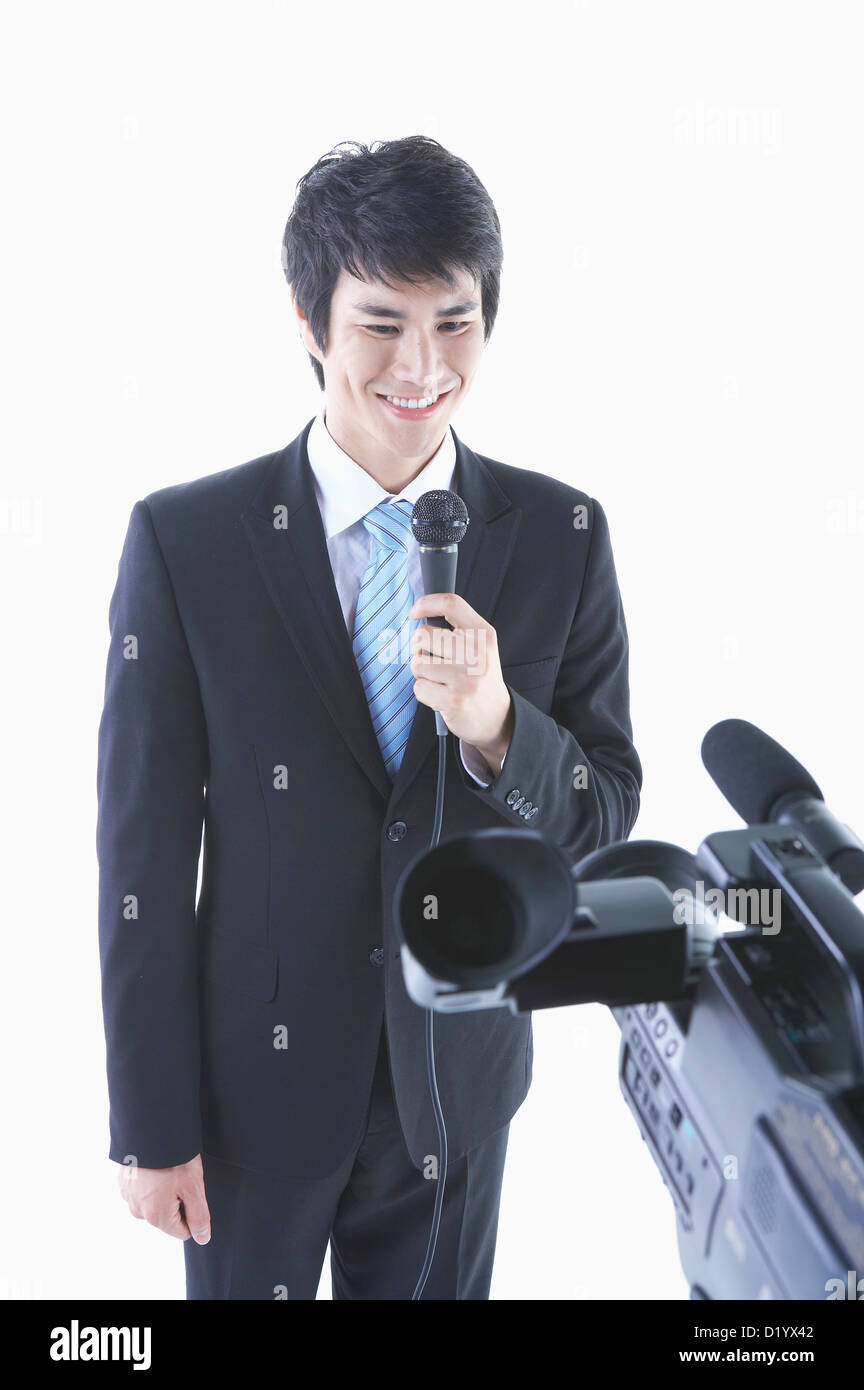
<point x="742" y="1045"/>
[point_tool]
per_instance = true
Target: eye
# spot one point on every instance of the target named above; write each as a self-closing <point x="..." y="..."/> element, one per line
<point x="453" y="325"/>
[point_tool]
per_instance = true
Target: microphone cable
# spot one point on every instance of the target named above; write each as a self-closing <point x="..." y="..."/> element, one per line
<point x="430" y="1054"/>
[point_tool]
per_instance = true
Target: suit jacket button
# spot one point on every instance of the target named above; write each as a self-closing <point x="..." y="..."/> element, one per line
<point x="513" y="796"/>
<point x="376" y="955"/>
<point x="396" y="830"/>
<point x="532" y="813"/>
<point x="525" y="810"/>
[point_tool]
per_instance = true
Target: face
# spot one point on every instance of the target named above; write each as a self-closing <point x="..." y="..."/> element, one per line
<point x="413" y="343"/>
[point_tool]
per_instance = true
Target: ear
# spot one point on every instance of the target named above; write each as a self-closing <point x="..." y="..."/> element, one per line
<point x="305" y="331"/>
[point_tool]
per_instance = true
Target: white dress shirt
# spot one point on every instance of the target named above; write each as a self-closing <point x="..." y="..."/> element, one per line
<point x="346" y="493"/>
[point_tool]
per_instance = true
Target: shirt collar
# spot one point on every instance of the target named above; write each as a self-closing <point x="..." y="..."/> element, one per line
<point x="346" y="492"/>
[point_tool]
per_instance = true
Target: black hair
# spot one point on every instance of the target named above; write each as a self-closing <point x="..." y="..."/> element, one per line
<point x="403" y="210"/>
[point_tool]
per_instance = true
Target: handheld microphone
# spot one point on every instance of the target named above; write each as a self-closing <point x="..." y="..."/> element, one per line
<point x="764" y="783"/>
<point x="439" y="522"/>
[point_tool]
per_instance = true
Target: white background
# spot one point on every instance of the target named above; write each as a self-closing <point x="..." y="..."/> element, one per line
<point x="680" y="334"/>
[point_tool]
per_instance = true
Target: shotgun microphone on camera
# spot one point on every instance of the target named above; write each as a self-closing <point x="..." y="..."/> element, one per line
<point x="765" y="784"/>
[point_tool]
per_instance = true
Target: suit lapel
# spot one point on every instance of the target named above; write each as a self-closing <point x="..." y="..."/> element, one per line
<point x="284" y="527"/>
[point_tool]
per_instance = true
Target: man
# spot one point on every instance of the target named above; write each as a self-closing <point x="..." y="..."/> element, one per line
<point x="266" y="1067"/>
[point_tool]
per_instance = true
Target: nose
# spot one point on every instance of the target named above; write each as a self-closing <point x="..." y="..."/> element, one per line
<point x="416" y="359"/>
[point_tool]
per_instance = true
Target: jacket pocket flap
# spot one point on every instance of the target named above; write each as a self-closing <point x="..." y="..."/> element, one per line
<point x="525" y="675"/>
<point x="245" y="967"/>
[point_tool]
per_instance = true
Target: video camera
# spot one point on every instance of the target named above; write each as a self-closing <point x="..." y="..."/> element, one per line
<point x="742" y="1049"/>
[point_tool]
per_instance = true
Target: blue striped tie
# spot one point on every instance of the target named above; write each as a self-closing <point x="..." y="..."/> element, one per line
<point x="382" y="630"/>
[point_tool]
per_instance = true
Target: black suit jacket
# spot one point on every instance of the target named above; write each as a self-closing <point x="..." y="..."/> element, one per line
<point x="246" y="1024"/>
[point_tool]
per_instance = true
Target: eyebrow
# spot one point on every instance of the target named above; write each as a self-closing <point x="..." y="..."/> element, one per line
<point x="382" y="311"/>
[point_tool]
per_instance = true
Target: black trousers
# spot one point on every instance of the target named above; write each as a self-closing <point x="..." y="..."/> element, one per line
<point x="269" y="1235"/>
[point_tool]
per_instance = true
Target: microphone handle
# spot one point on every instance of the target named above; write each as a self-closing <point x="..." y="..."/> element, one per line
<point x="438" y="569"/>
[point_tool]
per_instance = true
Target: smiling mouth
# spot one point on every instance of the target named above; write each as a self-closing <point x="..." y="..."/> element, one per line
<point x="413" y="407"/>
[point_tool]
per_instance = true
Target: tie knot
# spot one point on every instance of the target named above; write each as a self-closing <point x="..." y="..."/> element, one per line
<point x="389" y="524"/>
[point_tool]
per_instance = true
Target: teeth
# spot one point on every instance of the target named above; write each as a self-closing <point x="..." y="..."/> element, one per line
<point x="408" y="403"/>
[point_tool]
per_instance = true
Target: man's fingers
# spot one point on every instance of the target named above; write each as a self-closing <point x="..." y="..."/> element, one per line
<point x="197" y="1213"/>
<point x="177" y="1216"/>
<point x="129" y="1193"/>
<point x="171" y="1199"/>
<point x="172" y="1223"/>
<point x="453" y="607"/>
<point x="168" y="1218"/>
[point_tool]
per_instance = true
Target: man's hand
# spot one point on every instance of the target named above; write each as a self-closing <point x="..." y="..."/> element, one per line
<point x="459" y="674"/>
<point x="170" y="1198"/>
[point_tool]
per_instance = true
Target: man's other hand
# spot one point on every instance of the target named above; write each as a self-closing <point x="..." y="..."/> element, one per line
<point x="171" y="1199"/>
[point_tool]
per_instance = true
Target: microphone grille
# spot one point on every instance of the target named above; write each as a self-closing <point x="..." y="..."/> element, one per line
<point x="439" y="518"/>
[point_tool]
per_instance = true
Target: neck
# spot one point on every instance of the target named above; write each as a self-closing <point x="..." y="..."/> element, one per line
<point x="390" y="471"/>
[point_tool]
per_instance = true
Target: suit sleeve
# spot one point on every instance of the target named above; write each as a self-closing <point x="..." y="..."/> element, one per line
<point x="152" y="768"/>
<point x="575" y="775"/>
<point x="475" y="764"/>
